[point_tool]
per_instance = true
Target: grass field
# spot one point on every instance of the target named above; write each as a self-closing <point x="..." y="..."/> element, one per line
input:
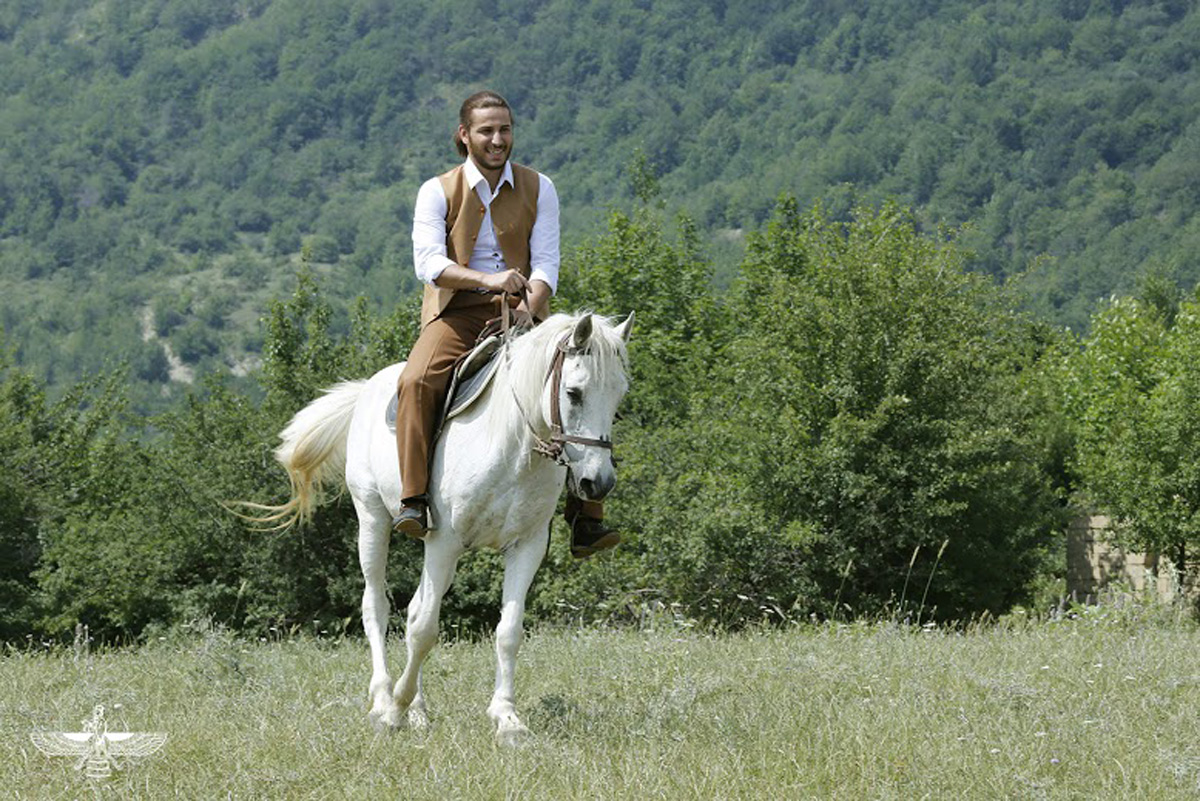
<point x="1104" y="704"/>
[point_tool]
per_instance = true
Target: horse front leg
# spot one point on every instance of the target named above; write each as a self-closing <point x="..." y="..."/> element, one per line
<point x="421" y="634"/>
<point x="521" y="564"/>
<point x="373" y="538"/>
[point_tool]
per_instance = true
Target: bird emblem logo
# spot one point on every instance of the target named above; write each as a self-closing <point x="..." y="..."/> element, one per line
<point x="99" y="751"/>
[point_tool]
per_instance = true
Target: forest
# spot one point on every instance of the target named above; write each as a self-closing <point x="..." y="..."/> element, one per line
<point x="163" y="161"/>
<point x="913" y="280"/>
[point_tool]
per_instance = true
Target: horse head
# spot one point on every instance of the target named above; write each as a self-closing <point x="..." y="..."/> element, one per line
<point x="581" y="397"/>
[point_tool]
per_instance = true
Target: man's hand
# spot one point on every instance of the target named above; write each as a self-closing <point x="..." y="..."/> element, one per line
<point x="509" y="281"/>
<point x="456" y="277"/>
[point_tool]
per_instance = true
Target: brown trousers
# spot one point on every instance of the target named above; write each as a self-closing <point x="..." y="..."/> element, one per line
<point x="423" y="382"/>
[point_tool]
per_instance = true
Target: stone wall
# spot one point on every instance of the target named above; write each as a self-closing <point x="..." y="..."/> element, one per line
<point x="1094" y="563"/>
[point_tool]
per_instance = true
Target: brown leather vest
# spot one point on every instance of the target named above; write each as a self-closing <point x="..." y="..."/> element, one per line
<point x="514" y="211"/>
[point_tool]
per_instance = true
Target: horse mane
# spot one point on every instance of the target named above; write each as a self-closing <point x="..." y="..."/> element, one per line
<point x="533" y="352"/>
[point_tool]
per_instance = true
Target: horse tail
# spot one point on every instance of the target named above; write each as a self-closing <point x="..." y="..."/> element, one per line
<point x="313" y="451"/>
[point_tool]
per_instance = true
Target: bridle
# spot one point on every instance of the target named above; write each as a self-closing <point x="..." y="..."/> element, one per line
<point x="554" y="447"/>
<point x="558" y="438"/>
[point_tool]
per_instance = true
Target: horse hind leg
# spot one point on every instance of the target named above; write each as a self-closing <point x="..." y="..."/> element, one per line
<point x="373" y="539"/>
<point x="521" y="564"/>
<point x="421" y="633"/>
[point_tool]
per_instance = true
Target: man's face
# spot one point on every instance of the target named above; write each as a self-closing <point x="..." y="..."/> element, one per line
<point x="489" y="139"/>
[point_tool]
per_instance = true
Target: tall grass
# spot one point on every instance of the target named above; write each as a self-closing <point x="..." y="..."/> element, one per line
<point x="1101" y="702"/>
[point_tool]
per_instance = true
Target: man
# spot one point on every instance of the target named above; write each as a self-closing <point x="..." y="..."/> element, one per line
<point x="486" y="227"/>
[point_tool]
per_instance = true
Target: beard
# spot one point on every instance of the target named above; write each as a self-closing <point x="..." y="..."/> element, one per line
<point x="489" y="158"/>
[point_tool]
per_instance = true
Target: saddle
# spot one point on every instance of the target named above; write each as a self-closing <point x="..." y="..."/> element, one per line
<point x="471" y="377"/>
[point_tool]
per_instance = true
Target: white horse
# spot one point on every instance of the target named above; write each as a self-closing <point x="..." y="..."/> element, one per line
<point x="487" y="487"/>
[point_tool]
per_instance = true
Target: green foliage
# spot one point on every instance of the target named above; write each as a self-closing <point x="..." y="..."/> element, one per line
<point x="22" y="429"/>
<point x="1135" y="400"/>
<point x="125" y="532"/>
<point x="142" y="144"/>
<point x="870" y="407"/>
<point x="855" y="398"/>
<point x="860" y="425"/>
<point x="301" y="355"/>
<point x="860" y="399"/>
<point x="166" y="169"/>
<point x="83" y="474"/>
<point x="319" y="248"/>
<point x="668" y="287"/>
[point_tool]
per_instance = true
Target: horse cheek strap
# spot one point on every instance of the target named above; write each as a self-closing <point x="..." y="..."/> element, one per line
<point x="558" y="440"/>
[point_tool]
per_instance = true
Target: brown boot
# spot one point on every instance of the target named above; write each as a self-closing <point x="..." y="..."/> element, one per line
<point x="589" y="535"/>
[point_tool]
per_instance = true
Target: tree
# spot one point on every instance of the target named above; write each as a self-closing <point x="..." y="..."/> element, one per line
<point x="1135" y="397"/>
<point x="138" y="529"/>
<point x="633" y="267"/>
<point x="21" y="426"/>
<point x="867" y="410"/>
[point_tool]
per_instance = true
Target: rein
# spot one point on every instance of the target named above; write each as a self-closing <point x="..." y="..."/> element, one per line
<point x="553" y="447"/>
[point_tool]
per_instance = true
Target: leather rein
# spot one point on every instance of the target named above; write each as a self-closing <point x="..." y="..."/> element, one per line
<point x="553" y="447"/>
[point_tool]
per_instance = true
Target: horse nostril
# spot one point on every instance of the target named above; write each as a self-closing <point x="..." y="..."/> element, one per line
<point x="596" y="489"/>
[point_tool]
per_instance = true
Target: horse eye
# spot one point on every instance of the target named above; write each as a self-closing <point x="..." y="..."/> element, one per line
<point x="575" y="395"/>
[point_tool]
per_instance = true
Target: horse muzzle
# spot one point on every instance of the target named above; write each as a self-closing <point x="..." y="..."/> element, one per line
<point x="596" y="488"/>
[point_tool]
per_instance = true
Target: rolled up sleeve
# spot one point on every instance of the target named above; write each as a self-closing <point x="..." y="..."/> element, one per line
<point x="543" y="240"/>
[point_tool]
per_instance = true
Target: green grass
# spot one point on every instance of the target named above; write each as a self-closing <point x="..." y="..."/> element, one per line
<point x="1105" y="705"/>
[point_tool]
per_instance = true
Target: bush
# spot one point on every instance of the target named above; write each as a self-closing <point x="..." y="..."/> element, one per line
<point x="1134" y="396"/>
<point x="867" y="403"/>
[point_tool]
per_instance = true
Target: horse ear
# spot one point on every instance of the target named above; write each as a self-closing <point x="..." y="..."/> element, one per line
<point x="626" y="328"/>
<point x="582" y="332"/>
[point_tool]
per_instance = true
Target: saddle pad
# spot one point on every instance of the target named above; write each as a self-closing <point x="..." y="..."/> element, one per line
<point x="465" y="391"/>
<point x="471" y="377"/>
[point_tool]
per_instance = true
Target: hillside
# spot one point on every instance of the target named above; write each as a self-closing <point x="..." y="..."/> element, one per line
<point x="163" y="162"/>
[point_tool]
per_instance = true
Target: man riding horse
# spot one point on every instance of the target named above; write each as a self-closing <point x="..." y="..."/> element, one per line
<point x="484" y="231"/>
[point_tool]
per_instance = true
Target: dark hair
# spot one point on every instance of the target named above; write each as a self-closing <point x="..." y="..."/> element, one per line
<point x="483" y="99"/>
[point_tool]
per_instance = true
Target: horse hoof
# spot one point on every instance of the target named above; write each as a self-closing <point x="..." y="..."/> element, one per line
<point x="417" y="719"/>
<point x="513" y="736"/>
<point x="386" y="721"/>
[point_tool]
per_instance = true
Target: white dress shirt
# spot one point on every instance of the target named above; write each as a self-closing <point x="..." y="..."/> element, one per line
<point x="429" y="230"/>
